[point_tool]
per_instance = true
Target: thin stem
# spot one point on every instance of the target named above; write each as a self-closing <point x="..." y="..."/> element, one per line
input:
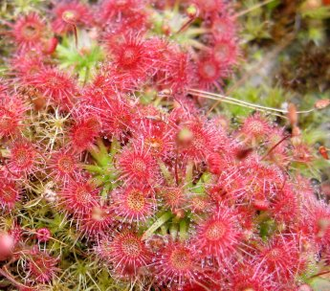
<point x="223" y="97"/>
<point x="75" y="31"/>
<point x="196" y="44"/>
<point x="196" y="31"/>
<point x="5" y="273"/>
<point x="185" y="25"/>
<point x="51" y="238"/>
<point x="238" y="104"/>
<point x="253" y="8"/>
<point x="276" y="145"/>
<point x="319" y="274"/>
<point x="91" y="277"/>
<point x="202" y="285"/>
<point x="166" y="173"/>
<point x="189" y="174"/>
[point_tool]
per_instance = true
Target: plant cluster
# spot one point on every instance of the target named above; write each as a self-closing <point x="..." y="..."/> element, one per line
<point x="114" y="177"/>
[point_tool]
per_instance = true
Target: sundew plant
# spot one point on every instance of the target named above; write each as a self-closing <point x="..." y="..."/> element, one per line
<point x="121" y="170"/>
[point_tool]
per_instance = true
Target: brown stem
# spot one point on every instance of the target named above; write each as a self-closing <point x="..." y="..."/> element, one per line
<point x="184" y="26"/>
<point x="319" y="274"/>
<point x="5" y="273"/>
<point x="276" y="145"/>
<point x="75" y="31"/>
<point x="71" y="20"/>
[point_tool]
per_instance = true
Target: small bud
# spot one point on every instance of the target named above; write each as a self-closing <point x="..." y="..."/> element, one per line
<point x="261" y="204"/>
<point x="192" y="11"/>
<point x="185" y="135"/>
<point x="243" y="153"/>
<point x="292" y="114"/>
<point x="324" y="152"/>
<point x="39" y="103"/>
<point x="321" y="104"/>
<point x="43" y="234"/>
<point x="179" y="213"/>
<point x="69" y="17"/>
<point x="296" y="132"/>
<point x="166" y="29"/>
<point x="50" y="46"/>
